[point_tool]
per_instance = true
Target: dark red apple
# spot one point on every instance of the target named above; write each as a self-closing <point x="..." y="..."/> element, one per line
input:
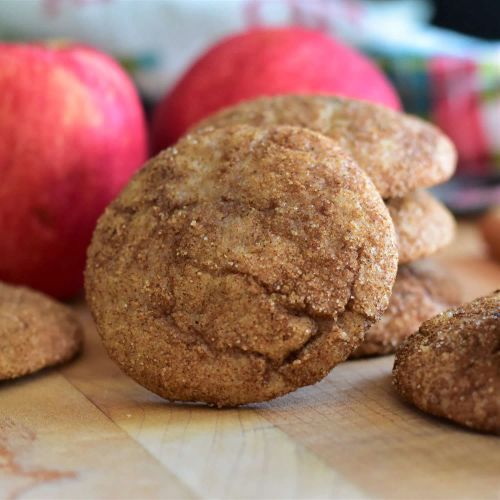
<point x="267" y="62"/>
<point x="72" y="132"/>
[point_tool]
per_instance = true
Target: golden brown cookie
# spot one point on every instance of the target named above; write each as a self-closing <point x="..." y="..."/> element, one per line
<point x="399" y="152"/>
<point x="35" y="332"/>
<point x="423" y="225"/>
<point x="451" y="366"/>
<point x="240" y="264"/>
<point x="421" y="290"/>
<point x="490" y="229"/>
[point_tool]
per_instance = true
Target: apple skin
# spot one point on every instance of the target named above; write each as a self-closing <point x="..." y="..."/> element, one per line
<point x="267" y="61"/>
<point x="72" y="132"/>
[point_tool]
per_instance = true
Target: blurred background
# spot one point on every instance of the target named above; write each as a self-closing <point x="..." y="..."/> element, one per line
<point x="443" y="56"/>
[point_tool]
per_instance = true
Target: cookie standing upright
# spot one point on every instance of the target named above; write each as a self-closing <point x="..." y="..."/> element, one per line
<point x="399" y="152"/>
<point x="451" y="366"/>
<point x="240" y="264"/>
<point x="35" y="332"/>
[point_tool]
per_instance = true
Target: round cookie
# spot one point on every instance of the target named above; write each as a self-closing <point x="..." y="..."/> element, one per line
<point x="423" y="225"/>
<point x="35" y="332"/>
<point x="240" y="264"/>
<point x="451" y="366"/>
<point x="421" y="290"/>
<point x="399" y="152"/>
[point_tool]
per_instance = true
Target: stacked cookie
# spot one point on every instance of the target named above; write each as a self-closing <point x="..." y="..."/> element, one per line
<point x="402" y="155"/>
<point x="254" y="255"/>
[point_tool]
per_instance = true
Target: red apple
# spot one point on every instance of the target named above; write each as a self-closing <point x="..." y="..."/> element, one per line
<point x="72" y="132"/>
<point x="267" y="62"/>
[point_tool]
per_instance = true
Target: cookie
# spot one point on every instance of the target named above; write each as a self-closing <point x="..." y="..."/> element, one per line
<point x="421" y="290"/>
<point x="423" y="225"/>
<point x="489" y="226"/>
<point x="399" y="152"/>
<point x="240" y="264"/>
<point x="35" y="332"/>
<point x="451" y="366"/>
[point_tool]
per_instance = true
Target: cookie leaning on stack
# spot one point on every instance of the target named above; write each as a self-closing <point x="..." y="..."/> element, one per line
<point x="401" y="154"/>
<point x="240" y="264"/>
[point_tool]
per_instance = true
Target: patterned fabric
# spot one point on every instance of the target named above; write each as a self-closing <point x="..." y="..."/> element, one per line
<point x="461" y="95"/>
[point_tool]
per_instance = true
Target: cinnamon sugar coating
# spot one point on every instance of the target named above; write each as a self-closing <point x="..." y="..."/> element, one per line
<point x="240" y="264"/>
<point x="451" y="366"/>
<point x="35" y="332"/>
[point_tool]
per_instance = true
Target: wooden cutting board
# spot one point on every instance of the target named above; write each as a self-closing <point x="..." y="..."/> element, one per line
<point x="87" y="431"/>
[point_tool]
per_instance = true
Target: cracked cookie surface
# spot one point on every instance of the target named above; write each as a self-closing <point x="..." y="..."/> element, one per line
<point x="421" y="290"/>
<point x="35" y="332"/>
<point x="240" y="264"/>
<point x="399" y="152"/>
<point x="451" y="366"/>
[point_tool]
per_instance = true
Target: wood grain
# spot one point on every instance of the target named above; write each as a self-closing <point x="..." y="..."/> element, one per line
<point x="54" y="443"/>
<point x="386" y="448"/>
<point x="88" y="431"/>
<point x="232" y="453"/>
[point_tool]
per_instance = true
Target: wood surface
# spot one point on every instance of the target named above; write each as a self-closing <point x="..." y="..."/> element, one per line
<point x="87" y="431"/>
